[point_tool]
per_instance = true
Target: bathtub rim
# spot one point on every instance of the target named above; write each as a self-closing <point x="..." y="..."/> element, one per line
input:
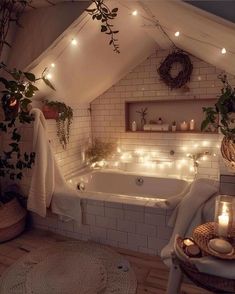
<point x="119" y="199"/>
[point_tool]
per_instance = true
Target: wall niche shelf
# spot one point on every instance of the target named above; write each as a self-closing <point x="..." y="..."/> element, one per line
<point x="178" y="110"/>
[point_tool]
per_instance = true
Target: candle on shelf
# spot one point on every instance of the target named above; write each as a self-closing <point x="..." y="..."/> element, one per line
<point x="192" y="125"/>
<point x="184" y="126"/>
<point x="223" y="222"/>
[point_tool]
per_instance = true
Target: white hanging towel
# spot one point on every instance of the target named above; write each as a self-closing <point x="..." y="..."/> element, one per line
<point x="48" y="186"/>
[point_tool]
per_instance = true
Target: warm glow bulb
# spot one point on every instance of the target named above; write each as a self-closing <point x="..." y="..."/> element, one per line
<point x="223" y="51"/>
<point x="52" y="64"/>
<point x="74" y="42"/>
<point x="135" y="12"/>
<point x="177" y="34"/>
<point x="49" y="76"/>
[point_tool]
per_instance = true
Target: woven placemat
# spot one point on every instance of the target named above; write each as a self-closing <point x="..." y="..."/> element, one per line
<point x="204" y="233"/>
<point x="70" y="268"/>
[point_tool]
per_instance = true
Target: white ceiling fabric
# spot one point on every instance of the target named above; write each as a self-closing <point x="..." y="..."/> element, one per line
<point x="85" y="71"/>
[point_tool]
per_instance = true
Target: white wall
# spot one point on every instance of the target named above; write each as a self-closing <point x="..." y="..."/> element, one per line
<point x="143" y="83"/>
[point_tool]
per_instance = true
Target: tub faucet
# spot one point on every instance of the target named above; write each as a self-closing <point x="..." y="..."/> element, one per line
<point x="196" y="157"/>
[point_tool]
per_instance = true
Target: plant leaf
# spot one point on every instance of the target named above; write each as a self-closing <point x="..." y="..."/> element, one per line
<point x="48" y="83"/>
<point x="30" y="76"/>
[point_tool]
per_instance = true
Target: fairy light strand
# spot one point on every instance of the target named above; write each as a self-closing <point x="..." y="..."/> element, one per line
<point x="164" y="29"/>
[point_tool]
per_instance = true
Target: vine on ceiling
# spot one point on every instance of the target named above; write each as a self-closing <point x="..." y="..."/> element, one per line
<point x="104" y="14"/>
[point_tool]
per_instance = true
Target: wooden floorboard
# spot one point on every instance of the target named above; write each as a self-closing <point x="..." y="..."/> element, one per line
<point x="151" y="273"/>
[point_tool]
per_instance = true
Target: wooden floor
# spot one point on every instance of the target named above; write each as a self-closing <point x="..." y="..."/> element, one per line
<point x="150" y="271"/>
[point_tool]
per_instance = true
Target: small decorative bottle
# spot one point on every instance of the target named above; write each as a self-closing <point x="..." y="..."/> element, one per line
<point x="173" y="126"/>
<point x="134" y="126"/>
<point x="159" y="122"/>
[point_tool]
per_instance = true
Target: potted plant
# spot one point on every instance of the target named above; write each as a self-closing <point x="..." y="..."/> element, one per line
<point x="99" y="151"/>
<point x="17" y="88"/>
<point x="63" y="114"/>
<point x="15" y="102"/>
<point x="222" y="117"/>
<point x="173" y="126"/>
<point x="143" y="113"/>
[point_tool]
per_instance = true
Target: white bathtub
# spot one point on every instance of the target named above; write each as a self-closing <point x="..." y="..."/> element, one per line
<point x="108" y="182"/>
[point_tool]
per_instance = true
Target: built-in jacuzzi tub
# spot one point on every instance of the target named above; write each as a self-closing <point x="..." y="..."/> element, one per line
<point x="118" y="183"/>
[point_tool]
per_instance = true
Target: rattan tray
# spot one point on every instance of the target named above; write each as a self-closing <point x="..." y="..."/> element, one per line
<point x="212" y="283"/>
<point x="204" y="233"/>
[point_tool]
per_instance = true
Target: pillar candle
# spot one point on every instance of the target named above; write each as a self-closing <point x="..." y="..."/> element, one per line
<point x="184" y="126"/>
<point x="192" y="125"/>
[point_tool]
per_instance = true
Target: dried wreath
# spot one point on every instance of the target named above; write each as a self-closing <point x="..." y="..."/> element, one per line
<point x="183" y="76"/>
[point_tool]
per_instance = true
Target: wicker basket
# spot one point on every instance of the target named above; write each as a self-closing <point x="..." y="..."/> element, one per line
<point x="228" y="152"/>
<point x="12" y="220"/>
<point x="212" y="283"/>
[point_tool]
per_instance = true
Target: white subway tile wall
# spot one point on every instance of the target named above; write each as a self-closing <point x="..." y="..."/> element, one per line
<point x="124" y="227"/>
<point x="143" y="83"/>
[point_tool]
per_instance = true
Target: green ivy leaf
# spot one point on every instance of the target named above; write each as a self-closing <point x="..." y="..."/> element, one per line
<point x="24" y="103"/>
<point x="103" y="28"/>
<point x="30" y="76"/>
<point x="48" y="83"/>
<point x="15" y="136"/>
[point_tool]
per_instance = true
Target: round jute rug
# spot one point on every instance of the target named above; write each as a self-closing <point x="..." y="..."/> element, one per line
<point x="70" y="268"/>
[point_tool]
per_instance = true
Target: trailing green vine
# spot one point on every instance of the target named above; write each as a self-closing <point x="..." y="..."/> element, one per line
<point x="221" y="115"/>
<point x="104" y="14"/>
<point x="63" y="121"/>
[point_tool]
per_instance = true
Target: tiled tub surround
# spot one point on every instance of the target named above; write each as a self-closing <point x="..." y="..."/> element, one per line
<point x="119" y="212"/>
<point x="134" y="224"/>
<point x="143" y="83"/>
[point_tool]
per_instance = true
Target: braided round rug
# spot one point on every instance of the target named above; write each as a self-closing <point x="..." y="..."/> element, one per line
<point x="70" y="268"/>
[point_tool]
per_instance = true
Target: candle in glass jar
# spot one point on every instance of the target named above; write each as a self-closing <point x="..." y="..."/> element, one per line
<point x="184" y="126"/>
<point x="223" y="222"/>
<point x="192" y="125"/>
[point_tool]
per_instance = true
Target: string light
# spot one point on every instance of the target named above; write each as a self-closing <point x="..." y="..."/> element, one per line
<point x="152" y="18"/>
<point x="135" y="12"/>
<point x="74" y="42"/>
<point x="53" y="65"/>
<point x="177" y="34"/>
<point x="119" y="150"/>
<point x="223" y="51"/>
<point x="139" y="151"/>
<point x="49" y="76"/>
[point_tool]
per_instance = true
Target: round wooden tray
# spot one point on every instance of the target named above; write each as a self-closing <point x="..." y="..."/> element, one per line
<point x="204" y="233"/>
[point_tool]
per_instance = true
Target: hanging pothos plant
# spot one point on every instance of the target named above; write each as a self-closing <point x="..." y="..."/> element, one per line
<point x="104" y="14"/>
<point x="63" y="116"/>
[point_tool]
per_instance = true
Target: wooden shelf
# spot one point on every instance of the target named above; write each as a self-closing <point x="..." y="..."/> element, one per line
<point x="168" y="110"/>
<point x="177" y="132"/>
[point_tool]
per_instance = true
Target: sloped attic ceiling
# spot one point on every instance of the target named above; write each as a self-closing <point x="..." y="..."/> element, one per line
<point x="85" y="71"/>
<point x="202" y="34"/>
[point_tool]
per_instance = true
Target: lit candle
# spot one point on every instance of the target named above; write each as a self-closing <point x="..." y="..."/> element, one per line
<point x="188" y="242"/>
<point x="223" y="222"/>
<point x="192" y="125"/>
<point x="184" y="126"/>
